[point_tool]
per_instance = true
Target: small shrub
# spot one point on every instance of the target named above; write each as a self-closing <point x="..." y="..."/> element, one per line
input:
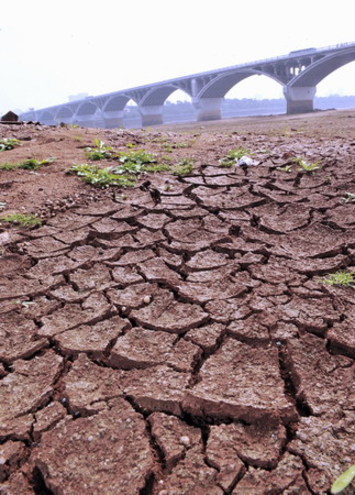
<point x="102" y="177"/>
<point x="346" y="279"/>
<point x="233" y="156"/>
<point x="8" y="144"/>
<point x="22" y="219"/>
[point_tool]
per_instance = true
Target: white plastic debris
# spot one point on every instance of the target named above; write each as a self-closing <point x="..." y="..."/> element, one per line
<point x="246" y="160"/>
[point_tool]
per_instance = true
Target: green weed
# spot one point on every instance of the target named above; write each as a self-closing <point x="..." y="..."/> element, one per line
<point x="349" y="197"/>
<point x="9" y="144"/>
<point x="167" y="147"/>
<point x="343" y="481"/>
<point x="159" y="167"/>
<point x="346" y="279"/>
<point x="184" y="167"/>
<point x="286" y="168"/>
<point x="133" y="162"/>
<point x="166" y="158"/>
<point x="306" y="166"/>
<point x="22" y="219"/>
<point x="102" y="177"/>
<point x="181" y="145"/>
<point x="101" y="152"/>
<point x="233" y="156"/>
<point x="29" y="164"/>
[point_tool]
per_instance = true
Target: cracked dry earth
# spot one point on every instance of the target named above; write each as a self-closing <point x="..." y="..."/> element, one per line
<point x="181" y="340"/>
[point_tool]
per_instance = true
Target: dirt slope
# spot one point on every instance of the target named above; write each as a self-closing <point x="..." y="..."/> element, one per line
<point x="178" y="337"/>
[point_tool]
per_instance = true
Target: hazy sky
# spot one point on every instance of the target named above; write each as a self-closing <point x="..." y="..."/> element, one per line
<point x="52" y="49"/>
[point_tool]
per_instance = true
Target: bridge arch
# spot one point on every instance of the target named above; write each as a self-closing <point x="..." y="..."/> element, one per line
<point x="86" y="108"/>
<point x="88" y="114"/>
<point x="151" y="104"/>
<point x="47" y="118"/>
<point x="339" y="82"/>
<point x="320" y="69"/>
<point x="131" y="116"/>
<point x="115" y="110"/>
<point x="219" y="86"/>
<point x="116" y="103"/>
<point x="255" y="95"/>
<point x="64" y="114"/>
<point x="158" y="96"/>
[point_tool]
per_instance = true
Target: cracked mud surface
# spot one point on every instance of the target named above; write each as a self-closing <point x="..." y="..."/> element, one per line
<point x="180" y="340"/>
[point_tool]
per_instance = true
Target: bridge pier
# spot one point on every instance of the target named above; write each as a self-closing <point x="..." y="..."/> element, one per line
<point x="151" y="114"/>
<point x="207" y="108"/>
<point x="299" y="99"/>
<point x="113" y="119"/>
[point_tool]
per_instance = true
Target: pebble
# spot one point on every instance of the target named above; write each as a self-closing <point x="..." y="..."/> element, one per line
<point x="185" y="441"/>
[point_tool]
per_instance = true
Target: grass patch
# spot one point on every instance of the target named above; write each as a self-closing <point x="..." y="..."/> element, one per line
<point x="9" y="144"/>
<point x="346" y="279"/>
<point x="22" y="219"/>
<point x="184" y="167"/>
<point x="102" y="177"/>
<point x="233" y="156"/>
<point x="30" y="164"/>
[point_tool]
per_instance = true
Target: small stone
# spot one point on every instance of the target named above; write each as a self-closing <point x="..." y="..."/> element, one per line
<point x="146" y="299"/>
<point x="185" y="441"/>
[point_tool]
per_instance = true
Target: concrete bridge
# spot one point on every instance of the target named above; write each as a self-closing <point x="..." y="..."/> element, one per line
<point x="299" y="72"/>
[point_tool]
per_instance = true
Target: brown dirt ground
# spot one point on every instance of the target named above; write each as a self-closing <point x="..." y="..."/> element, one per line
<point x="177" y="337"/>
